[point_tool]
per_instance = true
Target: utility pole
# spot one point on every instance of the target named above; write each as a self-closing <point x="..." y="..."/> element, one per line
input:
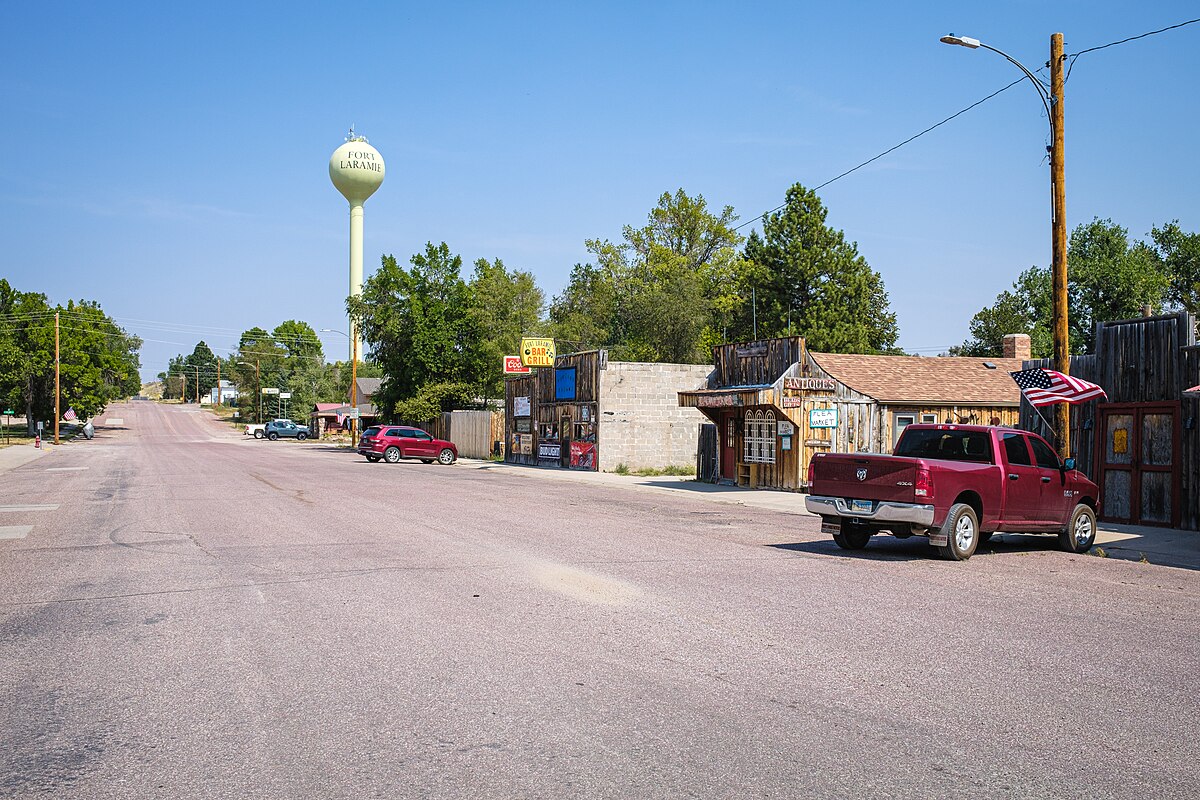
<point x="1062" y="349"/>
<point x="183" y="388"/>
<point x="197" y="367"/>
<point x="258" y="387"/>
<point x="218" y="380"/>
<point x="57" y="374"/>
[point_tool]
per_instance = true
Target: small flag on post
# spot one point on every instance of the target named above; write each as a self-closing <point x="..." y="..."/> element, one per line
<point x="1192" y="392"/>
<point x="1045" y="387"/>
<point x="70" y="415"/>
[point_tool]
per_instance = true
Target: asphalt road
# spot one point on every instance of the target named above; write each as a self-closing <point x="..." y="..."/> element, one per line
<point x="193" y="615"/>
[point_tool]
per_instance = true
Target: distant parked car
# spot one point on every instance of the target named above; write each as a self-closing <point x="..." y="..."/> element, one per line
<point x="259" y="431"/>
<point x="394" y="442"/>
<point x="285" y="429"/>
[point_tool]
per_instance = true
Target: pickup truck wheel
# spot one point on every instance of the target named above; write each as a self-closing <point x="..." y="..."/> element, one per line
<point x="852" y="537"/>
<point x="258" y="434"/>
<point x="1080" y="534"/>
<point x="962" y="533"/>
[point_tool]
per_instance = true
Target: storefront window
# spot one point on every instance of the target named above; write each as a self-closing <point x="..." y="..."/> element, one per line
<point x="759" y="446"/>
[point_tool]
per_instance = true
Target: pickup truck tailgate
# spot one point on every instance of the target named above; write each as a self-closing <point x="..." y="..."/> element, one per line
<point x="863" y="476"/>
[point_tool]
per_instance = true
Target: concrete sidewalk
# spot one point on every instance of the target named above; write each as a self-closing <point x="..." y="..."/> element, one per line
<point x="1162" y="546"/>
<point x="18" y="455"/>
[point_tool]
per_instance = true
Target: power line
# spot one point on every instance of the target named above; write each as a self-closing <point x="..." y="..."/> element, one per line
<point x="1135" y="38"/>
<point x="891" y="149"/>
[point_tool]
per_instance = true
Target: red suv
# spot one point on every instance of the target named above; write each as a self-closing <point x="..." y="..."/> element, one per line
<point x="394" y="442"/>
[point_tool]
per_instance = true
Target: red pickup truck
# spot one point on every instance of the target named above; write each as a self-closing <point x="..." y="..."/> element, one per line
<point x="956" y="484"/>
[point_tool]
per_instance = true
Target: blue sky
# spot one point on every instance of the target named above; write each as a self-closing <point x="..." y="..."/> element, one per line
<point x="170" y="160"/>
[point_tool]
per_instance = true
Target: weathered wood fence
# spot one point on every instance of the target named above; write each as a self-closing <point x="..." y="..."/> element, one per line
<point x="474" y="433"/>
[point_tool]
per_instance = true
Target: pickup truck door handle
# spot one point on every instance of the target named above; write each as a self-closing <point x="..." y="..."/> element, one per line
<point x="1012" y="476"/>
<point x="1045" y="479"/>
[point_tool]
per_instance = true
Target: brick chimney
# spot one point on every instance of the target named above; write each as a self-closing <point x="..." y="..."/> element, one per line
<point x="1016" y="345"/>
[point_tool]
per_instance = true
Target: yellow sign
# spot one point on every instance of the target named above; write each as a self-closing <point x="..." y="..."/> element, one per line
<point x="537" y="352"/>
<point x="1120" y="441"/>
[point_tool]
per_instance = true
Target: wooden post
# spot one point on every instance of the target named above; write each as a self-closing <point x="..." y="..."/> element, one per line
<point x="197" y="367"/>
<point x="218" y="380"/>
<point x="1062" y="349"/>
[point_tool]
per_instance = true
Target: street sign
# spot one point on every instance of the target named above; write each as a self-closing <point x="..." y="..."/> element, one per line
<point x="513" y="366"/>
<point x="353" y="413"/>
<point x="8" y="412"/>
<point x="269" y="390"/>
<point x="537" y="352"/>
<point x="285" y="395"/>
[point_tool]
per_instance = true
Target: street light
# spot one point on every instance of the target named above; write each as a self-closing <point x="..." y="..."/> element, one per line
<point x="257" y="387"/>
<point x="1052" y="101"/>
<point x="353" y="379"/>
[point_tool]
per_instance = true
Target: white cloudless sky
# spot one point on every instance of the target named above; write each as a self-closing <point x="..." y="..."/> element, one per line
<point x="171" y="160"/>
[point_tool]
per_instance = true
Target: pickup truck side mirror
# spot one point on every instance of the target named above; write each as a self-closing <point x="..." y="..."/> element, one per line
<point x="1069" y="464"/>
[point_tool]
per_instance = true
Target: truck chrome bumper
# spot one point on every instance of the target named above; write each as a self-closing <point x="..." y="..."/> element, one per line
<point x="883" y="511"/>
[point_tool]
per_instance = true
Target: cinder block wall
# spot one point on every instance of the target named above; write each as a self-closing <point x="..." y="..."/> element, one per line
<point x="641" y="423"/>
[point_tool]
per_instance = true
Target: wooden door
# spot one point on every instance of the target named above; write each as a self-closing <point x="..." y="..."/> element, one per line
<point x="1137" y="451"/>
<point x="729" y="450"/>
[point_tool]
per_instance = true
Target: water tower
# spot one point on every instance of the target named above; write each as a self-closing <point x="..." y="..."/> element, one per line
<point x="356" y="170"/>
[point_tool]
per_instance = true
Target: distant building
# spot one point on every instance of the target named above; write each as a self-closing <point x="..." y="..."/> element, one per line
<point x="228" y="393"/>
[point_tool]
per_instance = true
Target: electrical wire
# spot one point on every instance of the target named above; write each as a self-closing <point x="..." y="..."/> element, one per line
<point x="1075" y="56"/>
<point x="890" y="149"/>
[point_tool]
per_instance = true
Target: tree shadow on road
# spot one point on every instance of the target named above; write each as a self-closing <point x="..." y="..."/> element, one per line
<point x="890" y="548"/>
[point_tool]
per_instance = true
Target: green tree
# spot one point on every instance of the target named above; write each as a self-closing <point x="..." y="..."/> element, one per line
<point x="1109" y="278"/>
<point x="201" y="369"/>
<point x="260" y="363"/>
<point x="806" y="272"/>
<point x="1179" y="254"/>
<point x="420" y="325"/>
<point x="662" y="292"/>
<point x="1023" y="309"/>
<point x="98" y="360"/>
<point x="506" y="305"/>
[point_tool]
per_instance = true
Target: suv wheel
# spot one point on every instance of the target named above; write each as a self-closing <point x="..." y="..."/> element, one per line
<point x="962" y="533"/>
<point x="300" y="437"/>
<point x="446" y="456"/>
<point x="391" y="455"/>
<point x="1080" y="534"/>
<point x="272" y="436"/>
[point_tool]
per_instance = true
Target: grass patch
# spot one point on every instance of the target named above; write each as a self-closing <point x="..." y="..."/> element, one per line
<point x="670" y="469"/>
<point x="621" y="469"/>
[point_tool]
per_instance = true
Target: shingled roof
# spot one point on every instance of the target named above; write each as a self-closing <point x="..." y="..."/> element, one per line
<point x="905" y="379"/>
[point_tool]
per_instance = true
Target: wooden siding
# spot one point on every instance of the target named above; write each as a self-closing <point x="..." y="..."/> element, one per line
<point x="757" y="363"/>
<point x="525" y="386"/>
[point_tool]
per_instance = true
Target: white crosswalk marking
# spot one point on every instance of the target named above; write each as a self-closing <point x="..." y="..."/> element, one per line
<point x="14" y="531"/>
<point x="16" y="509"/>
<point x="65" y="469"/>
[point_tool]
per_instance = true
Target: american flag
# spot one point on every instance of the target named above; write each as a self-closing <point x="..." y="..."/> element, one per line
<point x="70" y="415"/>
<point x="1045" y="387"/>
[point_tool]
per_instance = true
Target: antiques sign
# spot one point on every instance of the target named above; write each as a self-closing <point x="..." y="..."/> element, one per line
<point x="811" y="384"/>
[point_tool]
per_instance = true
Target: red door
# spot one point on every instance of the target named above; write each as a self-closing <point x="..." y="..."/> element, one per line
<point x="729" y="446"/>
<point x="1137" y="451"/>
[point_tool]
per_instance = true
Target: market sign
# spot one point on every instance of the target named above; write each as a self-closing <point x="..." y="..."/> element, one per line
<point x="513" y="366"/>
<point x="521" y="406"/>
<point x="823" y="418"/>
<point x="537" y="352"/>
<point x="811" y="384"/>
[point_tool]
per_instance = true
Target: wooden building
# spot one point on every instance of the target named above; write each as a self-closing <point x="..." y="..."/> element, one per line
<point x="588" y="413"/>
<point x="775" y="404"/>
<point x="1142" y="445"/>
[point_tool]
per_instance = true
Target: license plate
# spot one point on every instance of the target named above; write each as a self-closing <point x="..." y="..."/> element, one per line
<point x="862" y="506"/>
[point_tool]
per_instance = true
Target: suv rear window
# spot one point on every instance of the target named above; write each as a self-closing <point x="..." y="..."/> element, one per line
<point x="372" y="431"/>
<point x="974" y="446"/>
